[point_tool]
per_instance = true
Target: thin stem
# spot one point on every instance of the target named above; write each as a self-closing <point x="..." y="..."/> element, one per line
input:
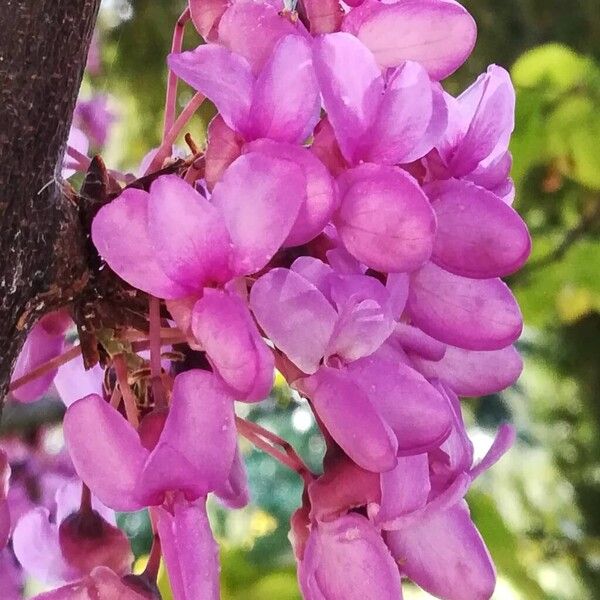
<point x="171" y="96"/>
<point x="82" y="163"/>
<point x="116" y="397"/>
<point x="145" y="344"/>
<point x="44" y="368"/>
<point x="153" y="564"/>
<point x="164" y="149"/>
<point x="264" y="439"/>
<point x="129" y="398"/>
<point x="158" y="391"/>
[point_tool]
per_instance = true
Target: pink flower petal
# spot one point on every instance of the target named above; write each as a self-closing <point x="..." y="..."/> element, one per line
<point x="474" y="314"/>
<point x="412" y="339"/>
<point x="385" y="219"/>
<point x="286" y="102"/>
<point x="295" y="315"/>
<point x="189" y="549"/>
<point x="120" y="233"/>
<point x="235" y="492"/>
<point x="348" y="559"/>
<point x="45" y="341"/>
<point x="414" y="410"/>
<point x="73" y="382"/>
<point x="351" y="418"/>
<point x="438" y="34"/>
<point x="206" y="14"/>
<point x="252" y="29"/>
<point x="478" y="234"/>
<point x="36" y="546"/>
<point x="101" y="443"/>
<point x="321" y="195"/>
<point x="445" y="555"/>
<point x="259" y="197"/>
<point x="351" y="96"/>
<point x="403" y="119"/>
<point x="188" y="234"/>
<point x="223" y="147"/>
<point x="197" y="445"/>
<point x="503" y="442"/>
<point x="405" y="488"/>
<point x="222" y="76"/>
<point x="324" y="16"/>
<point x="473" y="373"/>
<point x="223" y="326"/>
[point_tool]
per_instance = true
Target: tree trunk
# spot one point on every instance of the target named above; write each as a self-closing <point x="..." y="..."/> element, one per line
<point x="43" y="50"/>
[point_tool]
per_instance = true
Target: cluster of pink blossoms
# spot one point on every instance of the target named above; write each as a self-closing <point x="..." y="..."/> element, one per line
<point x="348" y="224"/>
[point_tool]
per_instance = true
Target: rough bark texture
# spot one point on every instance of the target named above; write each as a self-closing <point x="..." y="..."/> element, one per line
<point x="43" y="50"/>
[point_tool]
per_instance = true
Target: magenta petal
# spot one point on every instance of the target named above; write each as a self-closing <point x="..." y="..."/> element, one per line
<point x="222" y="76"/>
<point x="473" y="373"/>
<point x="223" y="147"/>
<point x="351" y="96"/>
<point x="190" y="552"/>
<point x="120" y="233"/>
<point x="259" y="197"/>
<point x="206" y="14"/>
<point x="488" y="109"/>
<point x="385" y="219"/>
<point x="503" y="442"/>
<point x="412" y="339"/>
<point x="478" y="235"/>
<point x="321" y="195"/>
<point x="295" y="315"/>
<point x="286" y="102"/>
<point x="73" y="382"/>
<point x="347" y="559"/>
<point x="409" y="404"/>
<point x="475" y="314"/>
<point x="403" y="120"/>
<point x="223" y="326"/>
<point x="101" y="443"/>
<point x="404" y="489"/>
<point x="445" y="555"/>
<point x="234" y="493"/>
<point x="188" y="234"/>
<point x="351" y="419"/>
<point x="37" y="548"/>
<point x="438" y="34"/>
<point x="197" y="445"/>
<point x="324" y="16"/>
<point x="44" y="342"/>
<point x="252" y="29"/>
<point x="397" y="286"/>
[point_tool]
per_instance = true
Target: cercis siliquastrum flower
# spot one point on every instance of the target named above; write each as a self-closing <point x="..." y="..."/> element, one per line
<point x="349" y="223"/>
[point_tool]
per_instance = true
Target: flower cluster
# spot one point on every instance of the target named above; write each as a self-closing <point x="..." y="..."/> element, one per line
<point x="348" y="223"/>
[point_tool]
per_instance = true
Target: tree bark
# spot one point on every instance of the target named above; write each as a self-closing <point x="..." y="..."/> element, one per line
<point x="43" y="51"/>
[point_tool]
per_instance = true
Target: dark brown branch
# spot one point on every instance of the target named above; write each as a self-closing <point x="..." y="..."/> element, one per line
<point x="43" y="49"/>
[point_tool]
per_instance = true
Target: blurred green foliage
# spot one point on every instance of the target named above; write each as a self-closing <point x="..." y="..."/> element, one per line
<point x="539" y="509"/>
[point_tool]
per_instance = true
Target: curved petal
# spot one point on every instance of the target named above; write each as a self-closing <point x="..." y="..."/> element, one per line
<point x="436" y="33"/>
<point x="445" y="555"/>
<point x="286" y="102"/>
<point x="222" y="76"/>
<point x="73" y="382"/>
<point x="403" y="118"/>
<point x="321" y="196"/>
<point x="259" y="197"/>
<point x="478" y="234"/>
<point x="412" y="339"/>
<point x="385" y="219"/>
<point x="414" y="410"/>
<point x="348" y="559"/>
<point x="351" y="97"/>
<point x="120" y="233"/>
<point x="473" y="373"/>
<point x="295" y="315"/>
<point x="252" y="29"/>
<point x="223" y="147"/>
<point x="206" y="14"/>
<point x="223" y="326"/>
<point x="474" y="314"/>
<point x="188" y="234"/>
<point x="36" y="546"/>
<point x="351" y="419"/>
<point x="235" y="493"/>
<point x="324" y="16"/>
<point x="503" y="442"/>
<point x="190" y="551"/>
<point x="45" y="341"/>
<point x="102" y="443"/>
<point x="197" y="445"/>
